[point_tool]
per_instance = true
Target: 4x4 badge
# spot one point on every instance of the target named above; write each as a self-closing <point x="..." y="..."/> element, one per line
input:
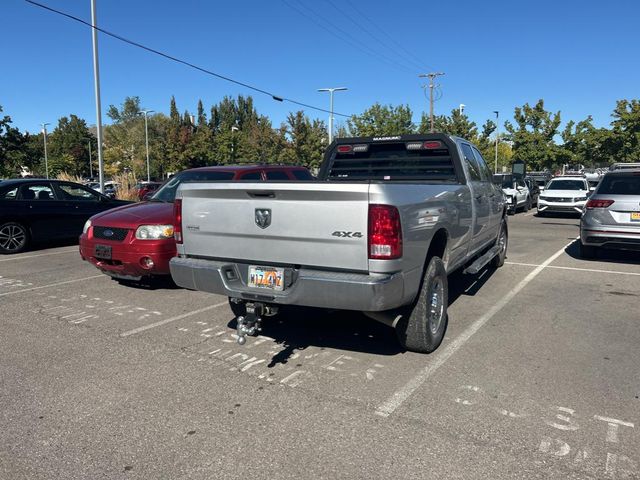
<point x="263" y="217"/>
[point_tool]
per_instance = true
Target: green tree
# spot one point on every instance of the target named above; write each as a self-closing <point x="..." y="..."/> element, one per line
<point x="456" y="124"/>
<point x="382" y="120"/>
<point x="532" y="136"/>
<point x="625" y="134"/>
<point x="13" y="148"/>
<point x="307" y="140"/>
<point x="586" y="144"/>
<point x="70" y="139"/>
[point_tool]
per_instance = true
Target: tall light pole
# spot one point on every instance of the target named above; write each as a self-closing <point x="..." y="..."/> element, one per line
<point x="497" y="128"/>
<point x="331" y="90"/>
<point x="431" y="77"/>
<point x="46" y="160"/>
<point x="90" y="166"/>
<point x="146" y="140"/>
<point x="461" y="108"/>
<point x="96" y="82"/>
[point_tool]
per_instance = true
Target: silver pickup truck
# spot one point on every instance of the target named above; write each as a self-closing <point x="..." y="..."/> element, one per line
<point x="379" y="232"/>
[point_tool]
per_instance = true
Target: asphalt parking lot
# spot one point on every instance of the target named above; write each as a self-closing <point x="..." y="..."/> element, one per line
<point x="538" y="377"/>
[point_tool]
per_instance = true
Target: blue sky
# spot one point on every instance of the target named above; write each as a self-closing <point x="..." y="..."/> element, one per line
<point x="580" y="56"/>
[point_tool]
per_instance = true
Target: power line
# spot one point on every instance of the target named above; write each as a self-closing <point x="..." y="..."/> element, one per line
<point x="410" y="60"/>
<point x="384" y="32"/>
<point x="183" y="62"/>
<point x="343" y="35"/>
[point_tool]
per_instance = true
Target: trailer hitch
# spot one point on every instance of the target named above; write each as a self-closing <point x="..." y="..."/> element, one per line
<point x="250" y="324"/>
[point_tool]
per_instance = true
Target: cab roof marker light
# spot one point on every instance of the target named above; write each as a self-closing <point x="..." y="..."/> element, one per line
<point x="432" y="144"/>
<point x="414" y="146"/>
<point x="345" y="148"/>
<point x="360" y="148"/>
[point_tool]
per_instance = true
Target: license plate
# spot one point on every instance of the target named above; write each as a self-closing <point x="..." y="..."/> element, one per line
<point x="635" y="216"/>
<point x="103" y="251"/>
<point x="271" y="278"/>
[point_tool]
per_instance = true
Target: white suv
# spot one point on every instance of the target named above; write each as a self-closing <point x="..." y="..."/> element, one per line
<point x="564" y="194"/>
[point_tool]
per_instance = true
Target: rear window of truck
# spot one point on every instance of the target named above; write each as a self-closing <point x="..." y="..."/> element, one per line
<point x="392" y="161"/>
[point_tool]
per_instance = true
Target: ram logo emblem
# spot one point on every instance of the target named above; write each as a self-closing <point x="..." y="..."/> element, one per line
<point x="263" y="217"/>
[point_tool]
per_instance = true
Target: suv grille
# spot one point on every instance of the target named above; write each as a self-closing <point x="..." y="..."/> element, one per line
<point x="110" y="233"/>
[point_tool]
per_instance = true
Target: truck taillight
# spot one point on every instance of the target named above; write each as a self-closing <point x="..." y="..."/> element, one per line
<point x="385" y="232"/>
<point x="177" y="220"/>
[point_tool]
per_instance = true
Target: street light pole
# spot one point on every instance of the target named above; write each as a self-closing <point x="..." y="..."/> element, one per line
<point x="96" y="82"/>
<point x="146" y="141"/>
<point x="497" y="136"/>
<point x="331" y="90"/>
<point x="90" y="166"/>
<point x="46" y="160"/>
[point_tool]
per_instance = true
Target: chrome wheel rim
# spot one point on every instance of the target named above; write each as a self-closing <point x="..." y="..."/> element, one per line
<point x="435" y="306"/>
<point x="12" y="237"/>
<point x="502" y="242"/>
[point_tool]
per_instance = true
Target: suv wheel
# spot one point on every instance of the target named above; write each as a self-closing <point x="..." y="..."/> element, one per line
<point x="422" y="327"/>
<point x="14" y="237"/>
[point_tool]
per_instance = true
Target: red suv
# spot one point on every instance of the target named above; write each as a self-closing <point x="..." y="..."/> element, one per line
<point x="136" y="241"/>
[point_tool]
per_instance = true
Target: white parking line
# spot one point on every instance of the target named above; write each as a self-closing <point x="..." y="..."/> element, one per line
<point x="39" y="255"/>
<point x="52" y="285"/>
<point x="441" y="357"/>
<point x="595" y="270"/>
<point x="172" y="319"/>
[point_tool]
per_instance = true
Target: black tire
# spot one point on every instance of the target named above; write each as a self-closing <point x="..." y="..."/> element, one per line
<point x="503" y="241"/>
<point x="587" y="251"/>
<point x="422" y="327"/>
<point x="14" y="237"/>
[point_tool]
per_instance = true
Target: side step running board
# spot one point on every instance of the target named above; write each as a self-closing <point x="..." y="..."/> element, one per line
<point x="476" y="266"/>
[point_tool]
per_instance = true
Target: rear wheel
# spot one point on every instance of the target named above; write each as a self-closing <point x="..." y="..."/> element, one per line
<point x="421" y="329"/>
<point x="14" y="237"/>
<point x="503" y="242"/>
<point x="587" y="251"/>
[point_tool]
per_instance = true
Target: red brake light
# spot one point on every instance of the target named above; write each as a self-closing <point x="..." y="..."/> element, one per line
<point x="599" y="204"/>
<point x="433" y="144"/>
<point x="177" y="220"/>
<point x="344" y="148"/>
<point x="385" y="232"/>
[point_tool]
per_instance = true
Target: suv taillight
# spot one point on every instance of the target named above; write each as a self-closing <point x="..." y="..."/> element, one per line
<point x="177" y="220"/>
<point x="385" y="232"/>
<point x="598" y="204"/>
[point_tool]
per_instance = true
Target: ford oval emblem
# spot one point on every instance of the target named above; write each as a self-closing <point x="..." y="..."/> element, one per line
<point x="108" y="233"/>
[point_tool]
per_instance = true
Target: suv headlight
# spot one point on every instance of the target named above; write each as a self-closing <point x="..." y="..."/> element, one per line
<point x="154" y="232"/>
<point x="87" y="224"/>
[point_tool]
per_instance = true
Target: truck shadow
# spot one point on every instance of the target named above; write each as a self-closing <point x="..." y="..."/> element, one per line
<point x="298" y="328"/>
<point x="468" y="285"/>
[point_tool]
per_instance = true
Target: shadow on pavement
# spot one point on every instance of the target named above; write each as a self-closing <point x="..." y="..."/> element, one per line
<point x="297" y="328"/>
<point x="627" y="257"/>
<point x="468" y="285"/>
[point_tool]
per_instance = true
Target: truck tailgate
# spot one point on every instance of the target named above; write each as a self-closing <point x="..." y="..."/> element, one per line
<point x="309" y="224"/>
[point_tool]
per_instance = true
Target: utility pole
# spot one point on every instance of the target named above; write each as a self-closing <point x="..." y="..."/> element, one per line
<point x="46" y="160"/>
<point x="431" y="76"/>
<point x="331" y="90"/>
<point x="90" y="166"/>
<point x="146" y="141"/>
<point x="497" y="136"/>
<point x="461" y="108"/>
<point x="96" y="82"/>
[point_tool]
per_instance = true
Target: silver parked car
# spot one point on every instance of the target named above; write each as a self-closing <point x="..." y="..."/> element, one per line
<point x="612" y="215"/>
